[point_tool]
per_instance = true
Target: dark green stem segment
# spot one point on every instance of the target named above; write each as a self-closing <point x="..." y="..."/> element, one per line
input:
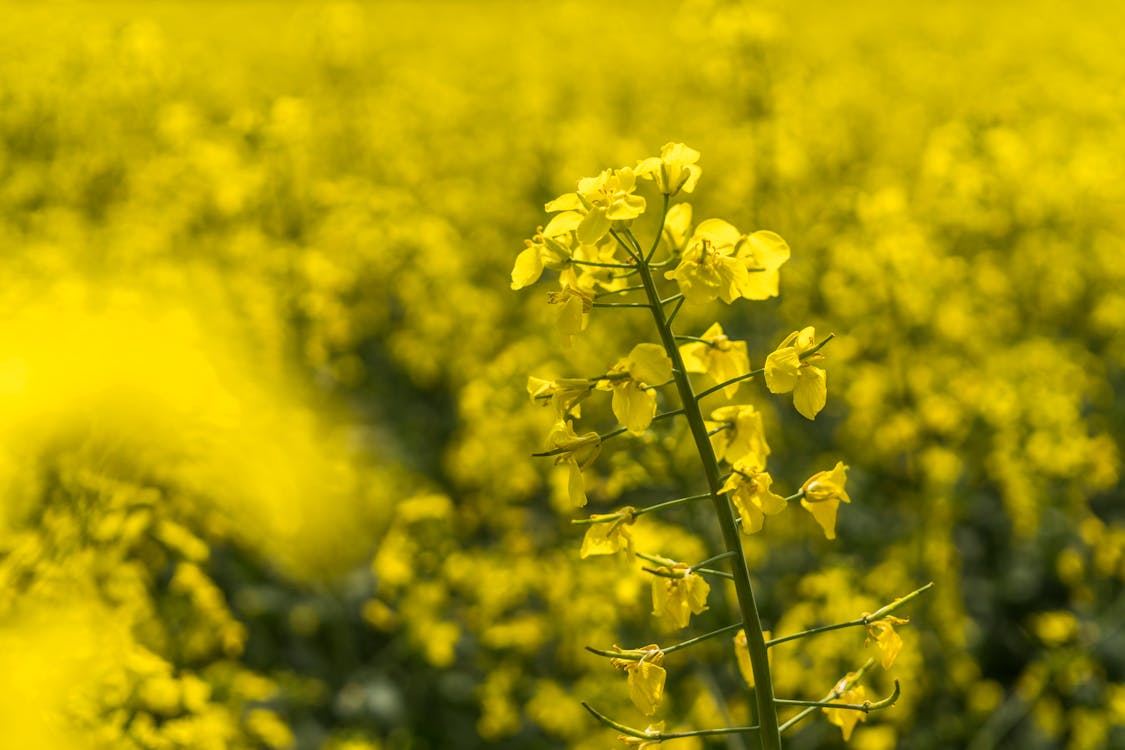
<point x="662" y="736"/>
<point x="770" y="736"/>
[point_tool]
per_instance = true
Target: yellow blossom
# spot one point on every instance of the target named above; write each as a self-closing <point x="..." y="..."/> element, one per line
<point x="577" y="452"/>
<point x="678" y="598"/>
<point x="787" y="370"/>
<point x="742" y="655"/>
<point x="646" y="678"/>
<point x="677" y="228"/>
<point x="717" y="357"/>
<point x="603" y="200"/>
<point x="823" y="492"/>
<point x="674" y="170"/>
<point x="846" y="718"/>
<point x="550" y="248"/>
<point x="884" y="635"/>
<point x="574" y="315"/>
<point x="609" y="536"/>
<point x="708" y="268"/>
<point x="564" y="394"/>
<point x="631" y="380"/>
<point x="763" y="253"/>
<point x="752" y="497"/>
<point x="744" y="439"/>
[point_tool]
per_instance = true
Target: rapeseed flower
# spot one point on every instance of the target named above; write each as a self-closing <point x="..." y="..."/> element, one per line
<point x="744" y="438"/>
<point x="646" y="678"/>
<point x="609" y="536"/>
<point x="680" y="596"/>
<point x="763" y="253"/>
<point x="551" y="247"/>
<point x="885" y="637"/>
<point x="821" y="496"/>
<point x="708" y="267"/>
<point x="750" y="492"/>
<point x="719" y="358"/>
<point x="602" y="200"/>
<point x="790" y="368"/>
<point x="577" y="452"/>
<point x="631" y="380"/>
<point x="565" y="394"/>
<point x="674" y="170"/>
<point x="846" y="718"/>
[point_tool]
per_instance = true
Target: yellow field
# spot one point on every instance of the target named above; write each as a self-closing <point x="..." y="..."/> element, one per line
<point x="264" y="428"/>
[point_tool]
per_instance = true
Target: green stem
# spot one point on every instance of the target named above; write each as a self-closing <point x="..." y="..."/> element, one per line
<point x="836" y="692"/>
<point x="638" y="654"/>
<point x="751" y="622"/>
<point x="622" y="290"/>
<point x="642" y="511"/>
<point x="595" y="264"/>
<point x="879" y="614"/>
<point x="866" y="706"/>
<point x="660" y="232"/>
<point x="662" y="736"/>
<point x="702" y="394"/>
<point x="610" y="434"/>
<point x="621" y="304"/>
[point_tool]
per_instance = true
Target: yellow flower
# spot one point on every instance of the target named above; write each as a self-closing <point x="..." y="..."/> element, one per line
<point x="708" y="267"/>
<point x="603" y="200"/>
<point x="653" y="730"/>
<point x="742" y="655"/>
<point x="718" y="357"/>
<point x="845" y="718"/>
<point x="745" y="437"/>
<point x="564" y="394"/>
<point x="884" y="635"/>
<point x="575" y="312"/>
<point x="634" y="400"/>
<point x="609" y="537"/>
<point x="577" y="452"/>
<point x="646" y="678"/>
<point x="677" y="228"/>
<point x="681" y="597"/>
<point x="763" y="253"/>
<point x="823" y="492"/>
<point x="752" y="497"/>
<point x="550" y="248"/>
<point x="674" y="170"/>
<point x="787" y="370"/>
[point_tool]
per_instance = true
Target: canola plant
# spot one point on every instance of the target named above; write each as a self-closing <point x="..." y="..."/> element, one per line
<point x="266" y="442"/>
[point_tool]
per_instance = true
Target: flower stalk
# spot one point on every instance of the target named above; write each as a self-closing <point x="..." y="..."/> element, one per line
<point x="769" y="733"/>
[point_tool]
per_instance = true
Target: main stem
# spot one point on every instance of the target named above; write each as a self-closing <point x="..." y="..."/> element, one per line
<point x="769" y="733"/>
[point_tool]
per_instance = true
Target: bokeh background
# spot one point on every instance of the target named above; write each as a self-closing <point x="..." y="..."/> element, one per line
<point x="264" y="440"/>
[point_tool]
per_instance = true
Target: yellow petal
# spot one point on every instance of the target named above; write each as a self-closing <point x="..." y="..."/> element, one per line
<point x="594" y="226"/>
<point x="576" y="484"/>
<point x="811" y="391"/>
<point x="781" y="370"/>
<point x="528" y="267"/>
<point x="633" y="406"/>
<point x="766" y="249"/>
<point x="649" y="363"/>
<point x="646" y="686"/>
<point x="565" y="202"/>
<point x="824" y="512"/>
